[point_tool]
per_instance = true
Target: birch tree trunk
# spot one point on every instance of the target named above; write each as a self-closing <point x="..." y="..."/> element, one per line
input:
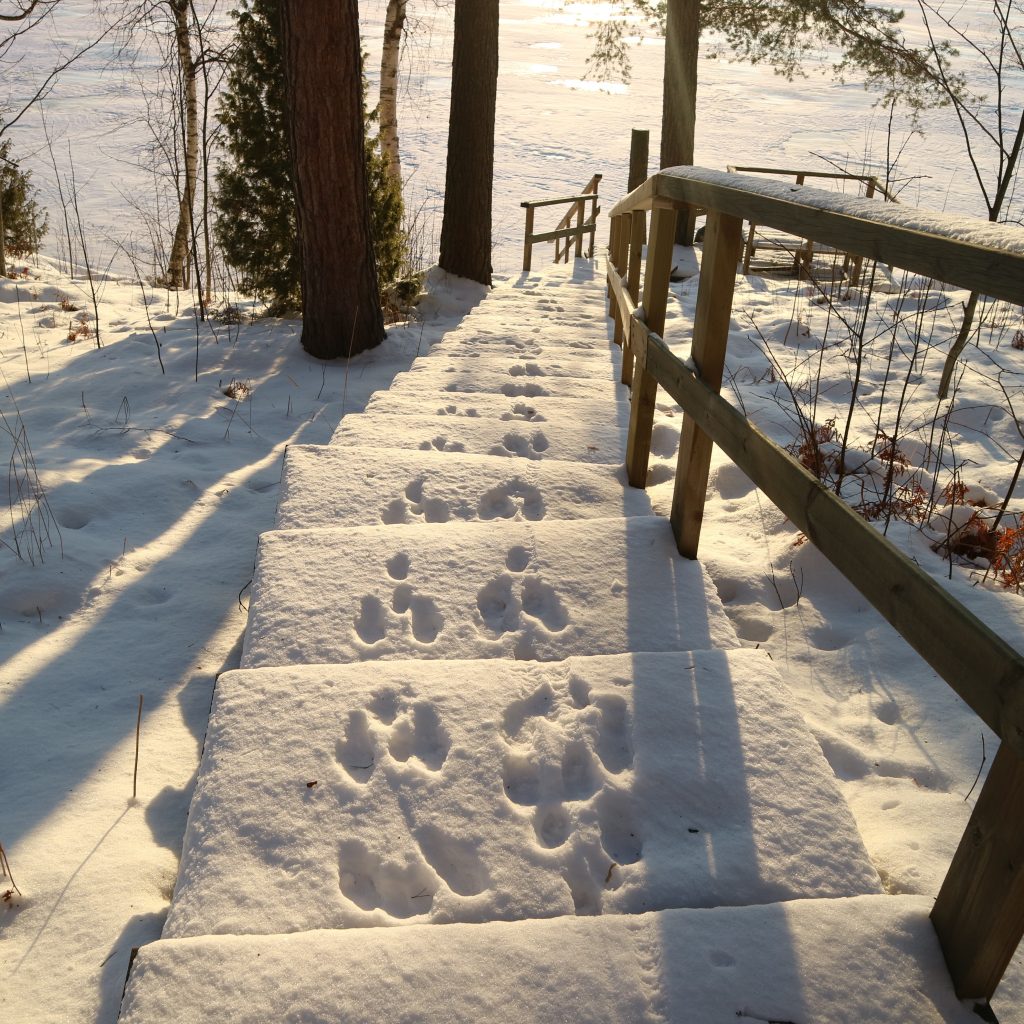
<point x="469" y="177"/>
<point x="177" y="264"/>
<point x="394" y="25"/>
<point x="341" y="313"/>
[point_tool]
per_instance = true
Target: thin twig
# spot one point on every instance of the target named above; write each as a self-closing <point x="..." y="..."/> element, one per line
<point x="138" y="730"/>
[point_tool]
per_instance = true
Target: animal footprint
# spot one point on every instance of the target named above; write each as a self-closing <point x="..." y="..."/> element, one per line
<point x="414" y="507"/>
<point x="511" y="500"/>
<point x="552" y="825"/>
<point x="355" y="750"/>
<point x="372" y="622"/>
<point x="455" y="860"/>
<point x="520" y="445"/>
<point x="498" y="607"/>
<point x="541" y="602"/>
<point x="620" y="835"/>
<point x="421" y="734"/>
<point x="614" y="747"/>
<point x="528" y="389"/>
<point x="400" y="890"/>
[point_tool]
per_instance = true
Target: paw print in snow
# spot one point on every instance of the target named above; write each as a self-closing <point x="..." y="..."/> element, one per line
<point x="414" y="507"/>
<point x="563" y="751"/>
<point x="503" y="601"/>
<point x="522" y="446"/>
<point x="374" y="621"/>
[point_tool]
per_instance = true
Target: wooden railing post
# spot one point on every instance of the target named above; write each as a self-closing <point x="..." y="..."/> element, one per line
<point x="580" y="210"/>
<point x="723" y="241"/>
<point x="645" y="387"/>
<point x="639" y="157"/>
<point x="637" y="237"/>
<point x="979" y="912"/>
<point x="528" y="244"/>
<point x="614" y="257"/>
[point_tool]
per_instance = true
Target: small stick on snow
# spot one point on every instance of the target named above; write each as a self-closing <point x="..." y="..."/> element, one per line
<point x="5" y="865"/>
<point x="138" y="729"/>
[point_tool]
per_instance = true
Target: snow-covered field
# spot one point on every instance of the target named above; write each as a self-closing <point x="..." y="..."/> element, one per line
<point x="158" y="478"/>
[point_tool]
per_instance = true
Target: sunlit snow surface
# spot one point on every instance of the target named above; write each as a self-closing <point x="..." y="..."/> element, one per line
<point x="160" y="485"/>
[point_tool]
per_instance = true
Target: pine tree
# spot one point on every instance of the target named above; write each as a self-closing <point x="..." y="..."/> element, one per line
<point x="24" y="223"/>
<point x="255" y="201"/>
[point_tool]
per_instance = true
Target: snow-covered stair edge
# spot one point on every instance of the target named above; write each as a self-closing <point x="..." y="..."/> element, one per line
<point x="528" y="590"/>
<point x="862" y="960"/>
<point x="353" y="485"/>
<point x="334" y="796"/>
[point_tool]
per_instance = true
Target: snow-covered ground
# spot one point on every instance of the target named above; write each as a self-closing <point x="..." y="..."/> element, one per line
<point x="158" y="479"/>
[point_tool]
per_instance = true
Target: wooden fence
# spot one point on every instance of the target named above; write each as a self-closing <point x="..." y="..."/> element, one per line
<point x="979" y="912"/>
<point x="566" y="231"/>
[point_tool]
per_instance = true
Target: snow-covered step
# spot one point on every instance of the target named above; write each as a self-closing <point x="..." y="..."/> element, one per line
<point x="544" y="591"/>
<point x="461" y="366"/>
<point x="475" y="379"/>
<point x="563" y="438"/>
<point x="538" y="343"/>
<point x="335" y="485"/>
<point x="502" y="407"/>
<point x="480" y="791"/>
<point x="866" y="960"/>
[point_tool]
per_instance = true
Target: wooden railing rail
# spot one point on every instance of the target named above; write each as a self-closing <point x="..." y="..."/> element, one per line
<point x="979" y="912"/>
<point x="804" y="253"/>
<point x="565" y="231"/>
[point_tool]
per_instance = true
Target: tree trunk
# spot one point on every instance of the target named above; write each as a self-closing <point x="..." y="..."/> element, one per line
<point x="469" y="178"/>
<point x="3" y="234"/>
<point x="340" y="303"/>
<point x="394" y="24"/>
<point x="679" y="97"/>
<point x="177" y="265"/>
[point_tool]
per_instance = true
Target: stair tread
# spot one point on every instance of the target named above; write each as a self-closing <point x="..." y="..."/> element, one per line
<point x="351" y="485"/>
<point x="478" y="790"/>
<point x="560" y="437"/>
<point x="544" y="591"/>
<point x="865" y="960"/>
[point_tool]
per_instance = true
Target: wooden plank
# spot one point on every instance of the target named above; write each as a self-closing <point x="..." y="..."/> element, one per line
<point x="534" y="203"/>
<point x="613" y="271"/>
<point x="639" y="158"/>
<point x="723" y="240"/>
<point x="637" y="235"/>
<point x="979" y="912"/>
<point x="550" y="236"/>
<point x="528" y="243"/>
<point x="976" y="662"/>
<point x="889" y="233"/>
<point x="645" y="387"/>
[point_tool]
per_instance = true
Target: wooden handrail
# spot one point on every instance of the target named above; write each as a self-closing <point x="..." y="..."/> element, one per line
<point x="870" y="180"/>
<point x="564" y="230"/>
<point x="937" y="245"/>
<point x="979" y="912"/>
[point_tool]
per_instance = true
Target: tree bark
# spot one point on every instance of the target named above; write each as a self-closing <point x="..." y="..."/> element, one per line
<point x="340" y="303"/>
<point x="394" y="24"/>
<point x="469" y="178"/>
<point x="679" y="96"/>
<point x="177" y="264"/>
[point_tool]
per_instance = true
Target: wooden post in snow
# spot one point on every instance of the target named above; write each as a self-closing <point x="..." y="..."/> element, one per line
<point x="723" y="241"/>
<point x="645" y="387"/>
<point x="979" y="912"/>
